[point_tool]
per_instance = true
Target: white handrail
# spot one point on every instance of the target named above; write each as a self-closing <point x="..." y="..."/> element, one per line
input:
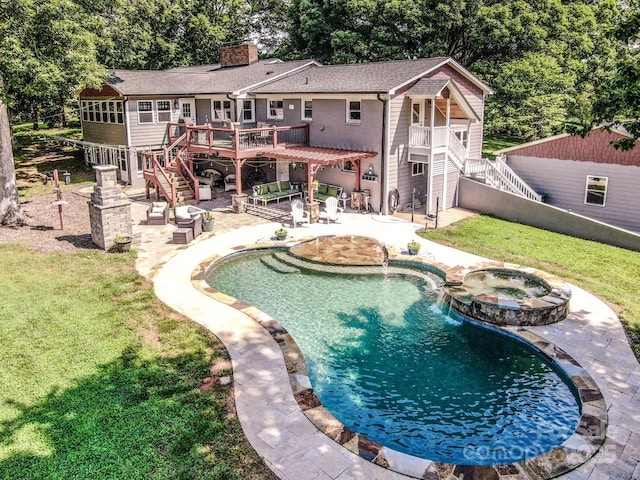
<point x="499" y="175"/>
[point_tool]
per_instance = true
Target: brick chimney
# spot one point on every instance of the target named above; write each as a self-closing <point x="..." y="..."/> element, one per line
<point x="242" y="54"/>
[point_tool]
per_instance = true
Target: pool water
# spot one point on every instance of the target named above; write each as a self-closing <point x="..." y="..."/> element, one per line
<point x="387" y="363"/>
<point x="504" y="285"/>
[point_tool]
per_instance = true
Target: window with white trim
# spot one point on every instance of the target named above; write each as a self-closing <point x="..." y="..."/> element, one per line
<point x="463" y="136"/>
<point x="90" y="110"/>
<point x="221" y="110"/>
<point x="163" y="108"/>
<point x="247" y="110"/>
<point x="354" y="111"/>
<point x="119" y="113"/>
<point x="596" y="190"/>
<point x="105" y="112"/>
<point x="145" y="111"/>
<point x="417" y="169"/>
<point x="275" y="110"/>
<point x="307" y="110"/>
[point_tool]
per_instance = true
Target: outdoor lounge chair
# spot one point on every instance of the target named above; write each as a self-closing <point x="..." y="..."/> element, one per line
<point x="158" y="213"/>
<point x="187" y="212"/>
<point x="230" y="183"/>
<point x="298" y="213"/>
<point x="331" y="209"/>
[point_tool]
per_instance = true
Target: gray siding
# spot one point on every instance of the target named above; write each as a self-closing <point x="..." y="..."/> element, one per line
<point x="105" y="133"/>
<point x="143" y="134"/>
<point x="399" y="170"/>
<point x="563" y="183"/>
<point x="483" y="198"/>
<point x="329" y="129"/>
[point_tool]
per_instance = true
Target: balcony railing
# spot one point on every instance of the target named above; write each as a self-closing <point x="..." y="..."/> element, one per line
<point x="239" y="139"/>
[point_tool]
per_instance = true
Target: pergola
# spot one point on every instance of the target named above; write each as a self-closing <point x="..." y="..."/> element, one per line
<point x="315" y="158"/>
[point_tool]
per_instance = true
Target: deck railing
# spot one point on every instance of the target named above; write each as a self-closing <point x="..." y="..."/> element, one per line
<point x="499" y="175"/>
<point x="237" y="139"/>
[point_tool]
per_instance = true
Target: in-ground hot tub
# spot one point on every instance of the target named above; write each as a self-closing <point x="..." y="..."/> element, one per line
<point x="509" y="297"/>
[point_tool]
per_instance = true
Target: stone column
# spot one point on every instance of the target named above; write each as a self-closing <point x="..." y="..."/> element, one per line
<point x="109" y="208"/>
<point x="314" y="211"/>
<point x="239" y="202"/>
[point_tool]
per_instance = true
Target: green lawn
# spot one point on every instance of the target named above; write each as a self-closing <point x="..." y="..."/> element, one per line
<point x="610" y="273"/>
<point x="101" y="380"/>
<point x="491" y="144"/>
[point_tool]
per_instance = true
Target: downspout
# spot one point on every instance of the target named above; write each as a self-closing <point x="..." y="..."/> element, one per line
<point x="384" y="180"/>
<point x="127" y="140"/>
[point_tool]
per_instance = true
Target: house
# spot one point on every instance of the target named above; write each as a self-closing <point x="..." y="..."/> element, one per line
<point x="385" y="130"/>
<point x="587" y="176"/>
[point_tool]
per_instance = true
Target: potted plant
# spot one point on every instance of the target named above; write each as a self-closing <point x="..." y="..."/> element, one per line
<point x="413" y="247"/>
<point x="208" y="221"/>
<point x="281" y="234"/>
<point x="122" y="243"/>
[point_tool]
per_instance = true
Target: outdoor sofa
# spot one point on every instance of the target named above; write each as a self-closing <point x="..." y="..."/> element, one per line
<point x="274" y="191"/>
<point x="325" y="191"/>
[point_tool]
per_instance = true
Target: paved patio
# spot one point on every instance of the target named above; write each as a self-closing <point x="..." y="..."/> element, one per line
<point x="270" y="416"/>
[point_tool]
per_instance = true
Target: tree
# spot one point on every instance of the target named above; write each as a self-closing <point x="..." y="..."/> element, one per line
<point x="10" y="210"/>
<point x="618" y="97"/>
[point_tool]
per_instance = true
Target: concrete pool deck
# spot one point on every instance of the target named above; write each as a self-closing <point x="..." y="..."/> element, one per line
<point x="271" y="418"/>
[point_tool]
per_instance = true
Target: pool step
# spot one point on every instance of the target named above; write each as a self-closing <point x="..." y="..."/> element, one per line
<point x="276" y="264"/>
<point x="300" y="263"/>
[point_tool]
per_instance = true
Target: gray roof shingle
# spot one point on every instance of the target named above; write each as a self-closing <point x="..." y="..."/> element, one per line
<point x="199" y="80"/>
<point x="353" y="78"/>
<point x="427" y="86"/>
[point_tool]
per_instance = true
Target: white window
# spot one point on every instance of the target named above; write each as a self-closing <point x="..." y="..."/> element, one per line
<point x="596" y="190"/>
<point x="463" y="136"/>
<point x="90" y="110"/>
<point x="112" y="112"/>
<point x="84" y="106"/>
<point x="247" y="110"/>
<point x="307" y="110"/>
<point x="275" y="110"/>
<point x="119" y="113"/>
<point x="105" y="112"/>
<point x="221" y="110"/>
<point x="145" y="111"/>
<point x="354" y="111"/>
<point x="417" y="169"/>
<point x="186" y="110"/>
<point x="164" y="111"/>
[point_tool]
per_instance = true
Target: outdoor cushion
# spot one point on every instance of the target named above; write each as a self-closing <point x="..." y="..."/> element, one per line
<point x="322" y="188"/>
<point x="157" y="209"/>
<point x="332" y="191"/>
<point x="285" y="185"/>
<point x="273" y="187"/>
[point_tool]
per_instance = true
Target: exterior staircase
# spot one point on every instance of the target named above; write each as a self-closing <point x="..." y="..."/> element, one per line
<point x="499" y="175"/>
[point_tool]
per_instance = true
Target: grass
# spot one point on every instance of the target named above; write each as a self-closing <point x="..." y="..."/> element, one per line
<point x="611" y="273"/>
<point x="36" y="153"/>
<point x="101" y="380"/>
<point x="491" y="144"/>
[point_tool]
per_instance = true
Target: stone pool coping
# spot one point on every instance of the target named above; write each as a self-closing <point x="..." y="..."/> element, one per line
<point x="577" y="449"/>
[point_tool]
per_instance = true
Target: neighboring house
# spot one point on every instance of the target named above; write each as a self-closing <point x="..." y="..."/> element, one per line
<point x="587" y="176"/>
<point x="387" y="128"/>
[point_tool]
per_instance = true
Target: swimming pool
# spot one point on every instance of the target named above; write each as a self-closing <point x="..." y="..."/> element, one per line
<point x="385" y="361"/>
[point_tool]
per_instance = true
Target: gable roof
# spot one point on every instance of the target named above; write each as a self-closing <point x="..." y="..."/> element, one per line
<point x="375" y="77"/>
<point x="428" y="87"/>
<point x="595" y="147"/>
<point x="202" y="79"/>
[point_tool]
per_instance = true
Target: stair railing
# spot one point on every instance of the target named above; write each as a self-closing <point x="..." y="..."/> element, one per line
<point x="158" y="174"/>
<point x="499" y="175"/>
<point x="190" y="179"/>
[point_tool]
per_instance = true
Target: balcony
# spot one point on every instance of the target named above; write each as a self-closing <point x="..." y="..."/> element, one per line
<point x="237" y="143"/>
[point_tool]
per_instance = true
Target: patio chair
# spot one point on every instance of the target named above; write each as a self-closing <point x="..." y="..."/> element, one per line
<point x="184" y="213"/>
<point x="158" y="213"/>
<point x="195" y="224"/>
<point x="230" y="183"/>
<point x="298" y="213"/>
<point x="331" y="209"/>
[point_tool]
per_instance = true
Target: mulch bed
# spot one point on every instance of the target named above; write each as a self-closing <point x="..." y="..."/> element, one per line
<point x="43" y="229"/>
